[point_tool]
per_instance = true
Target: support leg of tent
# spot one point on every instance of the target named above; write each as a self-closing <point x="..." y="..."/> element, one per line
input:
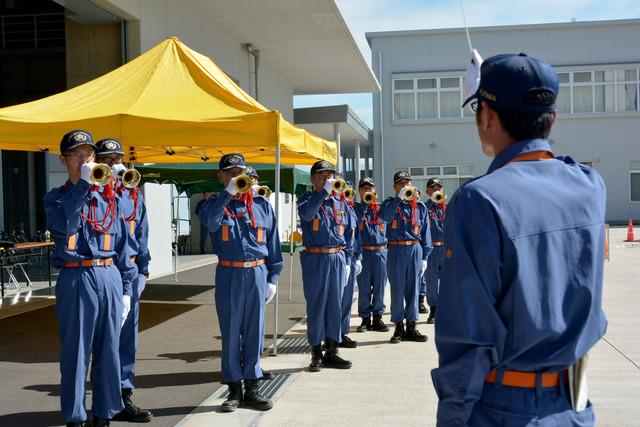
<point x="274" y="347"/>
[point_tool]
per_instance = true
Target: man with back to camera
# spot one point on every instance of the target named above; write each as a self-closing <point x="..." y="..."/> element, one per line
<point x="205" y="234"/>
<point x="409" y="239"/>
<point x="372" y="248"/>
<point x="247" y="244"/>
<point x="109" y="151"/>
<point x="94" y="287"/>
<point x="521" y="289"/>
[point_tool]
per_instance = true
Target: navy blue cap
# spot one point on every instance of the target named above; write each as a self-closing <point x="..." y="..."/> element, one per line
<point x="74" y="139"/>
<point x="322" y="165"/>
<point x="507" y="81"/>
<point x="366" y="181"/>
<point x="433" y="182"/>
<point x="398" y="176"/>
<point x="232" y="160"/>
<point x="251" y="172"/>
<point x="108" y="146"/>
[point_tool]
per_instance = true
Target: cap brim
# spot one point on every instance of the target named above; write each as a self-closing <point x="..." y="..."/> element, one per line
<point x="109" y="152"/>
<point x="233" y="166"/>
<point x="471" y="98"/>
<point x="324" y="169"/>
<point x="79" y="144"/>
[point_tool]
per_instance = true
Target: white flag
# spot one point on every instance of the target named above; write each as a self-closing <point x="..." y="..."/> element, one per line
<point x="472" y="80"/>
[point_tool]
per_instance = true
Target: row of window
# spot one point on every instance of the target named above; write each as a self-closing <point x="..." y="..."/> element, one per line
<point x="453" y="177"/>
<point x="605" y="90"/>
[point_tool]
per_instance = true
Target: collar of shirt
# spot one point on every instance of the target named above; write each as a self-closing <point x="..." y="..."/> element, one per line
<point x="518" y="148"/>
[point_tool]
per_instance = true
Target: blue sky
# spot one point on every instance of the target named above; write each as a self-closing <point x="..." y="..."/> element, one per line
<point x="391" y="15"/>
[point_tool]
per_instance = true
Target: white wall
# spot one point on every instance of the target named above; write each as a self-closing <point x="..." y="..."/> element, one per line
<point x="158" y="202"/>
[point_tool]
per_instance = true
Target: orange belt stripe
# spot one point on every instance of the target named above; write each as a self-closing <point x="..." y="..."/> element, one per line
<point x="437" y="243"/>
<point x="374" y="248"/>
<point x="402" y="242"/>
<point x="241" y="264"/>
<point x="525" y="379"/>
<point x="99" y="262"/>
<point x="323" y="250"/>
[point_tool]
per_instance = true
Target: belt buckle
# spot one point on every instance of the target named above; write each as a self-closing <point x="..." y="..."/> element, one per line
<point x="95" y="262"/>
<point x="248" y="264"/>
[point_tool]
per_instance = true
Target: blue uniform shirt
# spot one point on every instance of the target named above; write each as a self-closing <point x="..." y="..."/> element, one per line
<point x="74" y="237"/>
<point x="138" y="228"/>
<point x="521" y="286"/>
<point x="325" y="222"/>
<point x="371" y="228"/>
<point x="437" y="216"/>
<point x="397" y="214"/>
<point x="352" y="224"/>
<point x="235" y="239"/>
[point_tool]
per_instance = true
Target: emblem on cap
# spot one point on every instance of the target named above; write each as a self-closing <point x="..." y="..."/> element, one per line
<point x="325" y="164"/>
<point x="80" y="137"/>
<point x="234" y="160"/>
<point x="110" y="145"/>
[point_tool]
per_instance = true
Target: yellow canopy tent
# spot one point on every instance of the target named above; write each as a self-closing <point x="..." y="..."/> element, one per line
<point x="169" y="105"/>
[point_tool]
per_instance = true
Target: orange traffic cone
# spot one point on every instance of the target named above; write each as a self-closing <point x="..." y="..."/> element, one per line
<point x="630" y="237"/>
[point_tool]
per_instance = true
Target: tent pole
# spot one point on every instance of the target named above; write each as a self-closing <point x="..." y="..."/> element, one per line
<point x="291" y="251"/>
<point x="274" y="348"/>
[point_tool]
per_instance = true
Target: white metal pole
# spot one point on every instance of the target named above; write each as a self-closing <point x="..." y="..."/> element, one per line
<point x="175" y="274"/>
<point x="274" y="348"/>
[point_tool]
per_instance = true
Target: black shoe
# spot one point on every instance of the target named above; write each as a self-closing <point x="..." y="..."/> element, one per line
<point x="398" y="333"/>
<point x="378" y="325"/>
<point x="96" y="422"/>
<point x="234" y="398"/>
<point x="331" y="358"/>
<point x="413" y="334"/>
<point x="432" y="315"/>
<point x="252" y="397"/>
<point x="365" y="325"/>
<point x="422" y="309"/>
<point x="316" y="358"/>
<point x="266" y="375"/>
<point x="347" y="342"/>
<point x="131" y="413"/>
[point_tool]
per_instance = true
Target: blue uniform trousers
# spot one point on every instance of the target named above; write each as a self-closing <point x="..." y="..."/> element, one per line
<point x="347" y="300"/>
<point x="240" y="301"/>
<point x="129" y="340"/>
<point x="371" y="283"/>
<point x="432" y="275"/>
<point x="403" y="267"/>
<point x="322" y="280"/>
<point x="89" y="311"/>
<point x="519" y="407"/>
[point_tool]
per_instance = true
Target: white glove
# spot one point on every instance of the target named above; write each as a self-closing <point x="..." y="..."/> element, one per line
<point x="358" y="267"/>
<point x="230" y="188"/>
<point x="347" y="273"/>
<point x="403" y="191"/>
<point x="472" y="80"/>
<point x="126" y="307"/>
<point x="254" y="189"/>
<point x="85" y="171"/>
<point x="142" y="282"/>
<point x="118" y="169"/>
<point x="328" y="185"/>
<point x="271" y="292"/>
<point x="424" y="267"/>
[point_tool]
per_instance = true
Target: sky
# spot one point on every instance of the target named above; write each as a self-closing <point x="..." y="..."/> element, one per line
<point x="393" y="15"/>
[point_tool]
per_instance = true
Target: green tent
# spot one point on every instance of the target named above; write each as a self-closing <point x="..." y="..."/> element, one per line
<point x="195" y="178"/>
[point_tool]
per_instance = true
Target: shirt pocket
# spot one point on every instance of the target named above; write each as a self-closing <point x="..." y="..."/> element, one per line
<point x="228" y="230"/>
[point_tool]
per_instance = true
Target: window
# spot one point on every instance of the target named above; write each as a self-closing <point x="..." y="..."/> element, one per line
<point x="634" y="178"/>
<point x="452" y="177"/>
<point x="427" y="98"/>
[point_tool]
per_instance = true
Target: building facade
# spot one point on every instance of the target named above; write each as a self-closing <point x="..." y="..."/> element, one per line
<point x="420" y="127"/>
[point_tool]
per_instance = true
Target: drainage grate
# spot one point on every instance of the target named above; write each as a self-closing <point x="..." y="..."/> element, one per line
<point x="269" y="388"/>
<point x="294" y="346"/>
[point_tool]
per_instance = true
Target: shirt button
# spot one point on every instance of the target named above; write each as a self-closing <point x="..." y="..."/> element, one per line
<point x="457" y="421"/>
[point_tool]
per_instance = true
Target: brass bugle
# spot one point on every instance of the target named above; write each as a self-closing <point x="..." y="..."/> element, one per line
<point x="439" y="197"/>
<point x="242" y="184"/>
<point x="411" y="193"/>
<point x="130" y="178"/>
<point x="369" y="197"/>
<point x="264" y="191"/>
<point x="349" y="194"/>
<point x="339" y="185"/>
<point x="101" y="174"/>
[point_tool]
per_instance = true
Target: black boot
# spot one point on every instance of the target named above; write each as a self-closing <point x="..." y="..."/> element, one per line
<point x="347" y="342"/>
<point x="234" y="398"/>
<point x="131" y="413"/>
<point x="252" y="397"/>
<point x="266" y="375"/>
<point x="398" y="333"/>
<point x="97" y="422"/>
<point x="422" y="309"/>
<point x="332" y="359"/>
<point x="316" y="358"/>
<point x="378" y="324"/>
<point x="365" y="325"/>
<point x="413" y="334"/>
<point x="432" y="315"/>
